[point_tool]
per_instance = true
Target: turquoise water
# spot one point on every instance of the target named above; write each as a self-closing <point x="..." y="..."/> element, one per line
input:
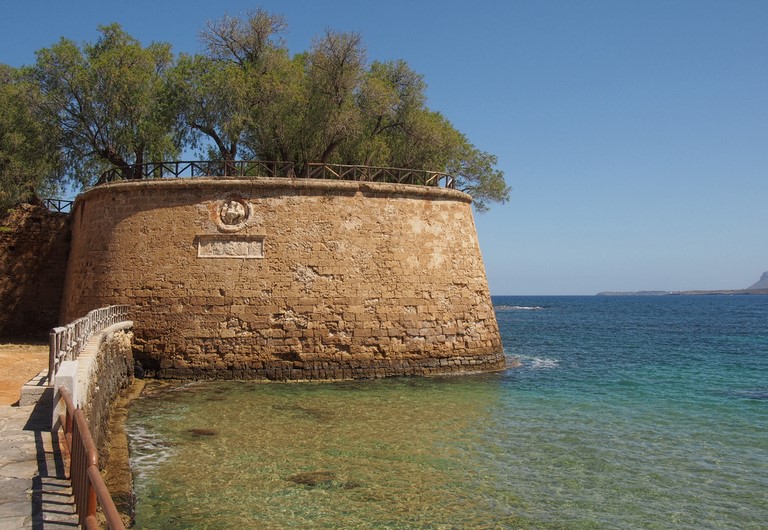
<point x="626" y="412"/>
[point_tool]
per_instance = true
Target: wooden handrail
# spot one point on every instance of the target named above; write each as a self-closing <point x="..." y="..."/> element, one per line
<point x="88" y="486"/>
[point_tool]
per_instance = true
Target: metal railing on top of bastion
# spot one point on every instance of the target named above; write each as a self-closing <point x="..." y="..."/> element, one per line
<point x="66" y="342"/>
<point x="391" y="175"/>
<point x="262" y="168"/>
<point x="58" y="205"/>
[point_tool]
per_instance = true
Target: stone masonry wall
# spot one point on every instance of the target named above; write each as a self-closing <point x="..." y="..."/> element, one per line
<point x="286" y="279"/>
<point x="111" y="372"/>
<point x="34" y="245"/>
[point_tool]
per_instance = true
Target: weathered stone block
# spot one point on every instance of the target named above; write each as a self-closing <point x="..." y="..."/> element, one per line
<point x="378" y="273"/>
<point x="34" y="246"/>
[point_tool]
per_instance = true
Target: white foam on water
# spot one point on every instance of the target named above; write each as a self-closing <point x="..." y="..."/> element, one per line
<point x="148" y="450"/>
<point x="537" y="363"/>
<point x="518" y="308"/>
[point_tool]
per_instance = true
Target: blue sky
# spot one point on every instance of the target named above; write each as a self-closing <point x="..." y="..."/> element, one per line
<point x="634" y="133"/>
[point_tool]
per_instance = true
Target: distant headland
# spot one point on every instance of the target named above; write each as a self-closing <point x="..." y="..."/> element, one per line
<point x="759" y="287"/>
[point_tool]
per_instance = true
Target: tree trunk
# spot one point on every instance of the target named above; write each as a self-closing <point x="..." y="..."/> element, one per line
<point x="138" y="166"/>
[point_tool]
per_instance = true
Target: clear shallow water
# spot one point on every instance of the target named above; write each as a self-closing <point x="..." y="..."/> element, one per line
<point x="636" y="412"/>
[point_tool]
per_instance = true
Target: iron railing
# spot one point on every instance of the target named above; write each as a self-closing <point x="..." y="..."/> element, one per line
<point x="261" y="168"/>
<point x="215" y="168"/>
<point x="88" y="487"/>
<point x="392" y="175"/>
<point x="58" y="205"/>
<point x="66" y="342"/>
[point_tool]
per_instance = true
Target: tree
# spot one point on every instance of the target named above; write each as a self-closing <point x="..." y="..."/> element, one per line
<point x="335" y="72"/>
<point x="214" y="95"/>
<point x="106" y="99"/>
<point x="211" y="103"/>
<point x="243" y="42"/>
<point x="428" y="141"/>
<point x="476" y="173"/>
<point x="327" y="105"/>
<point x="29" y="160"/>
<point x="276" y="126"/>
<point x="116" y="104"/>
<point x="309" y="109"/>
<point x="390" y="96"/>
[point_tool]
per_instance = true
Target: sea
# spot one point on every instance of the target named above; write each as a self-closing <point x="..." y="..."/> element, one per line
<point x="647" y="412"/>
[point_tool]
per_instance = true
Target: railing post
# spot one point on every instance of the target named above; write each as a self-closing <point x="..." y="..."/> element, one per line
<point x="273" y="169"/>
<point x="65" y="343"/>
<point x="53" y="354"/>
<point x="88" y="487"/>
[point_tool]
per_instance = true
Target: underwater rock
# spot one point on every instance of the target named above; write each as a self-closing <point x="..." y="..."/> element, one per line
<point x="202" y="432"/>
<point x="313" y="478"/>
<point x="324" y="479"/>
<point x="314" y="413"/>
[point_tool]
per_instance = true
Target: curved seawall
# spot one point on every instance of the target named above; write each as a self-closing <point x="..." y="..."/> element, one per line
<point x="286" y="279"/>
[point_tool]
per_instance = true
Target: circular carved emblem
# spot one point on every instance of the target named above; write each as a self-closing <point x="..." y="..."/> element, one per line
<point x="233" y="212"/>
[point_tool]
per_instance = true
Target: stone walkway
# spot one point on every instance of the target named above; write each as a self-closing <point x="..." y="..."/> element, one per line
<point x="34" y="490"/>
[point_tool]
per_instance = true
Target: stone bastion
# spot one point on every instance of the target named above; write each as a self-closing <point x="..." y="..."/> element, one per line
<point x="299" y="279"/>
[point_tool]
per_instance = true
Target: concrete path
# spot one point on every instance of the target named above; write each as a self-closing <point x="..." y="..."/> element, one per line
<point x="34" y="490"/>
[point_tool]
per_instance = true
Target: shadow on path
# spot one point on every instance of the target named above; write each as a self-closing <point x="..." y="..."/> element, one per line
<point x="52" y="503"/>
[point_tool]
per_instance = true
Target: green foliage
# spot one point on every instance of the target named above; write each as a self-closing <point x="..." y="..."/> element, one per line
<point x="29" y="160"/>
<point x="476" y="174"/>
<point x="307" y="104"/>
<point x="106" y="100"/>
<point x="276" y="127"/>
<point x="390" y="99"/>
<point x="211" y="103"/>
<point x="117" y="104"/>
<point x="216" y="95"/>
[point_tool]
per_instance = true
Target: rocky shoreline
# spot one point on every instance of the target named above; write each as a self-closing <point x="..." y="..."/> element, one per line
<point x="115" y="458"/>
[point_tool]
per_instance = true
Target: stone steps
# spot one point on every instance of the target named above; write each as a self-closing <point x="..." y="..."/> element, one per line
<point x="34" y="389"/>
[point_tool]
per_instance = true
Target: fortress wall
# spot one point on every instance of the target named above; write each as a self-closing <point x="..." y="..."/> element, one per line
<point x="34" y="245"/>
<point x="286" y="279"/>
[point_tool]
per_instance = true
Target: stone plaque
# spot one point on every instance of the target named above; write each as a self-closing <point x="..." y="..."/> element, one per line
<point x="230" y="246"/>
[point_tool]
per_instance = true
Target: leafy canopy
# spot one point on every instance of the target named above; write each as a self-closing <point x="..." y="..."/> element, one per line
<point x="105" y="99"/>
<point x="117" y="104"/>
<point x="29" y="161"/>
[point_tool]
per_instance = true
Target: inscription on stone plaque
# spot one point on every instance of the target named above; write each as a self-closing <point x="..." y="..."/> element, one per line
<point x="230" y="246"/>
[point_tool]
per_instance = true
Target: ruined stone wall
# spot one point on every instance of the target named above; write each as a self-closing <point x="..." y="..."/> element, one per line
<point x="34" y="244"/>
<point x="286" y="279"/>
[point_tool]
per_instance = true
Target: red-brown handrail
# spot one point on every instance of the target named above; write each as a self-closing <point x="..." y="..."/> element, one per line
<point x="88" y="486"/>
